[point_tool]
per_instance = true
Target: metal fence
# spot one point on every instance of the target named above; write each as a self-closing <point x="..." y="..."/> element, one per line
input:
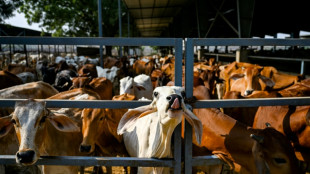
<point x="175" y="163"/>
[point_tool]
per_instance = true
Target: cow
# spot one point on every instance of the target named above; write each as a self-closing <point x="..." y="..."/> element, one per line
<point x="100" y="85"/>
<point x="246" y="80"/>
<point x="142" y="67"/>
<point x="27" y="77"/>
<point x="147" y="130"/>
<point x="17" y="68"/>
<point x="246" y="114"/>
<point x="63" y="80"/>
<point x="292" y="121"/>
<point x="8" y="79"/>
<point x="35" y="90"/>
<point x="157" y="78"/>
<point x="100" y="125"/>
<point x="88" y="70"/>
<point x="140" y="86"/>
<point x="42" y="132"/>
<point x="299" y="89"/>
<point x="281" y="80"/>
<point x="247" y="150"/>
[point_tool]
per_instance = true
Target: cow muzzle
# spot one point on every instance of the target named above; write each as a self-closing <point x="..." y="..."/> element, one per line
<point x="85" y="148"/>
<point x="174" y="102"/>
<point x="26" y="157"/>
<point x="248" y="92"/>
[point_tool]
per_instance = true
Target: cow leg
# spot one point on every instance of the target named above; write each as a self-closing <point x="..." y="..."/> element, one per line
<point x="98" y="170"/>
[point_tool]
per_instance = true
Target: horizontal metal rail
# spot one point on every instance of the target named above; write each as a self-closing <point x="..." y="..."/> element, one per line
<point x="90" y="41"/>
<point x="250" y="42"/>
<point x="227" y="103"/>
<point x="94" y="161"/>
<point x="279" y="58"/>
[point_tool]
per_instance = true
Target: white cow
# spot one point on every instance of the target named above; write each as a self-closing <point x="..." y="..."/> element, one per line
<point x="140" y="86"/>
<point x="147" y="130"/>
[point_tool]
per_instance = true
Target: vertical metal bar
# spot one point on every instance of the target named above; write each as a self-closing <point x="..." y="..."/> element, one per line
<point x="10" y="59"/>
<point x="178" y="82"/>
<point x="177" y="149"/>
<point x="100" y="31"/>
<point x="128" y="23"/>
<point x="302" y="67"/>
<point x="189" y="63"/>
<point x="197" y="18"/>
<point x="239" y="21"/>
<point x="120" y="26"/>
<point x="178" y="63"/>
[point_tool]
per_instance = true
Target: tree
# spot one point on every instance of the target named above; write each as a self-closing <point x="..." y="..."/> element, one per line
<point x="72" y="17"/>
<point x="7" y="8"/>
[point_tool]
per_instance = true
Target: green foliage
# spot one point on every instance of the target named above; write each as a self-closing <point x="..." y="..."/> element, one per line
<point x="7" y="8"/>
<point x="72" y="17"/>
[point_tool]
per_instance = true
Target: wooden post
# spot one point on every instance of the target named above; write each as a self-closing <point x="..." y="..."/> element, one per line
<point x="242" y="55"/>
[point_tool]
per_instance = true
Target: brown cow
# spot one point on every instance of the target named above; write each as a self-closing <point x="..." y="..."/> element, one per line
<point x="268" y="151"/>
<point x="88" y="70"/>
<point x="8" y="79"/>
<point x="292" y="121"/>
<point x="246" y="80"/>
<point x="100" y="85"/>
<point x="17" y="68"/>
<point x="100" y="128"/>
<point x="246" y="114"/>
<point x="141" y="67"/>
<point x="232" y="142"/>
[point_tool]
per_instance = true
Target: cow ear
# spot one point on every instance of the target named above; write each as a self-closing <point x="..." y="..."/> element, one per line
<point x="257" y="152"/>
<point x="140" y="87"/>
<point x="131" y="116"/>
<point x="5" y="125"/>
<point x="194" y="122"/>
<point x="236" y="76"/>
<point x="63" y="123"/>
<point x="269" y="83"/>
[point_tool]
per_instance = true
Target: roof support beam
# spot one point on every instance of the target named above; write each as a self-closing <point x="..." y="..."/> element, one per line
<point x="245" y="17"/>
<point x="225" y="19"/>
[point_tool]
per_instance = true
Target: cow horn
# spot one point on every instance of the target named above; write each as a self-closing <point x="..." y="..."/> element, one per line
<point x="259" y="139"/>
<point x="268" y="124"/>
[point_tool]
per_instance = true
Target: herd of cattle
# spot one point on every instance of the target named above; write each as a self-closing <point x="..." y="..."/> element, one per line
<point x="266" y="139"/>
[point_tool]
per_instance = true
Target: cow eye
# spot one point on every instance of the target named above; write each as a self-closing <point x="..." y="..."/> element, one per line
<point x="43" y="119"/>
<point x="101" y="118"/>
<point x="183" y="94"/>
<point x="280" y="160"/>
<point x="13" y="121"/>
<point x="155" y="94"/>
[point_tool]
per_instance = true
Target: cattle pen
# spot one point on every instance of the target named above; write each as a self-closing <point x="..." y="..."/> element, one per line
<point x="177" y="43"/>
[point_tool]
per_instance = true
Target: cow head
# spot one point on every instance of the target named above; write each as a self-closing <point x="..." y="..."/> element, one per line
<point x="127" y="85"/>
<point x="29" y="119"/>
<point x="248" y="79"/>
<point x="273" y="152"/>
<point x="168" y="103"/>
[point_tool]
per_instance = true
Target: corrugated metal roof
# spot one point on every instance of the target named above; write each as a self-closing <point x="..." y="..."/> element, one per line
<point x="153" y="16"/>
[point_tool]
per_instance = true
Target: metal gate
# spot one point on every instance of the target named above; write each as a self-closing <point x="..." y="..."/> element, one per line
<point x="177" y="43"/>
